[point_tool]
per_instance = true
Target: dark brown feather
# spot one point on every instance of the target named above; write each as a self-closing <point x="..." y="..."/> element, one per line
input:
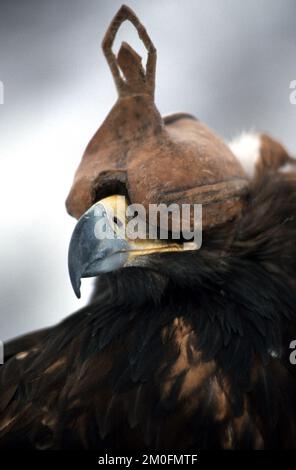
<point x="202" y="362"/>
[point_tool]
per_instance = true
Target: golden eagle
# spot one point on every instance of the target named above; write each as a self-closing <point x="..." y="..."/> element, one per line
<point x="177" y="349"/>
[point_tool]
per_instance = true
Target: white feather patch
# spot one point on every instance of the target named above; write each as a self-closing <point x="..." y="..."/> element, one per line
<point x="246" y="148"/>
<point x="288" y="167"/>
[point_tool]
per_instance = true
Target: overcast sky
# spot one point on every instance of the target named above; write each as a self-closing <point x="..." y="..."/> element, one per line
<point x="229" y="62"/>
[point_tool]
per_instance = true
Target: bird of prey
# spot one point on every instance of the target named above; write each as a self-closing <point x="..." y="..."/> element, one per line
<point x="178" y="348"/>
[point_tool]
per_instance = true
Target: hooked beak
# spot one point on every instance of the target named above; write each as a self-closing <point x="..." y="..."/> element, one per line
<point x="99" y="243"/>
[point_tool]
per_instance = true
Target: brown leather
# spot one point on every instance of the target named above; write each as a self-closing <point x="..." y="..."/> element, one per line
<point x="172" y="160"/>
<point x="273" y="155"/>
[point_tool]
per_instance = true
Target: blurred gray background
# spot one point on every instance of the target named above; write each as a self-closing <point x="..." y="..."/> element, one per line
<point x="229" y="62"/>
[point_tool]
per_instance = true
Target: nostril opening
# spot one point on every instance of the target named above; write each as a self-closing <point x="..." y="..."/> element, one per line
<point x="108" y="187"/>
<point x="117" y="222"/>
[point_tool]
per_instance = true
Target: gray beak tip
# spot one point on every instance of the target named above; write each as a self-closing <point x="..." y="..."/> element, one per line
<point x="92" y="252"/>
<point x="77" y="291"/>
<point x="74" y="271"/>
<point x="75" y="281"/>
